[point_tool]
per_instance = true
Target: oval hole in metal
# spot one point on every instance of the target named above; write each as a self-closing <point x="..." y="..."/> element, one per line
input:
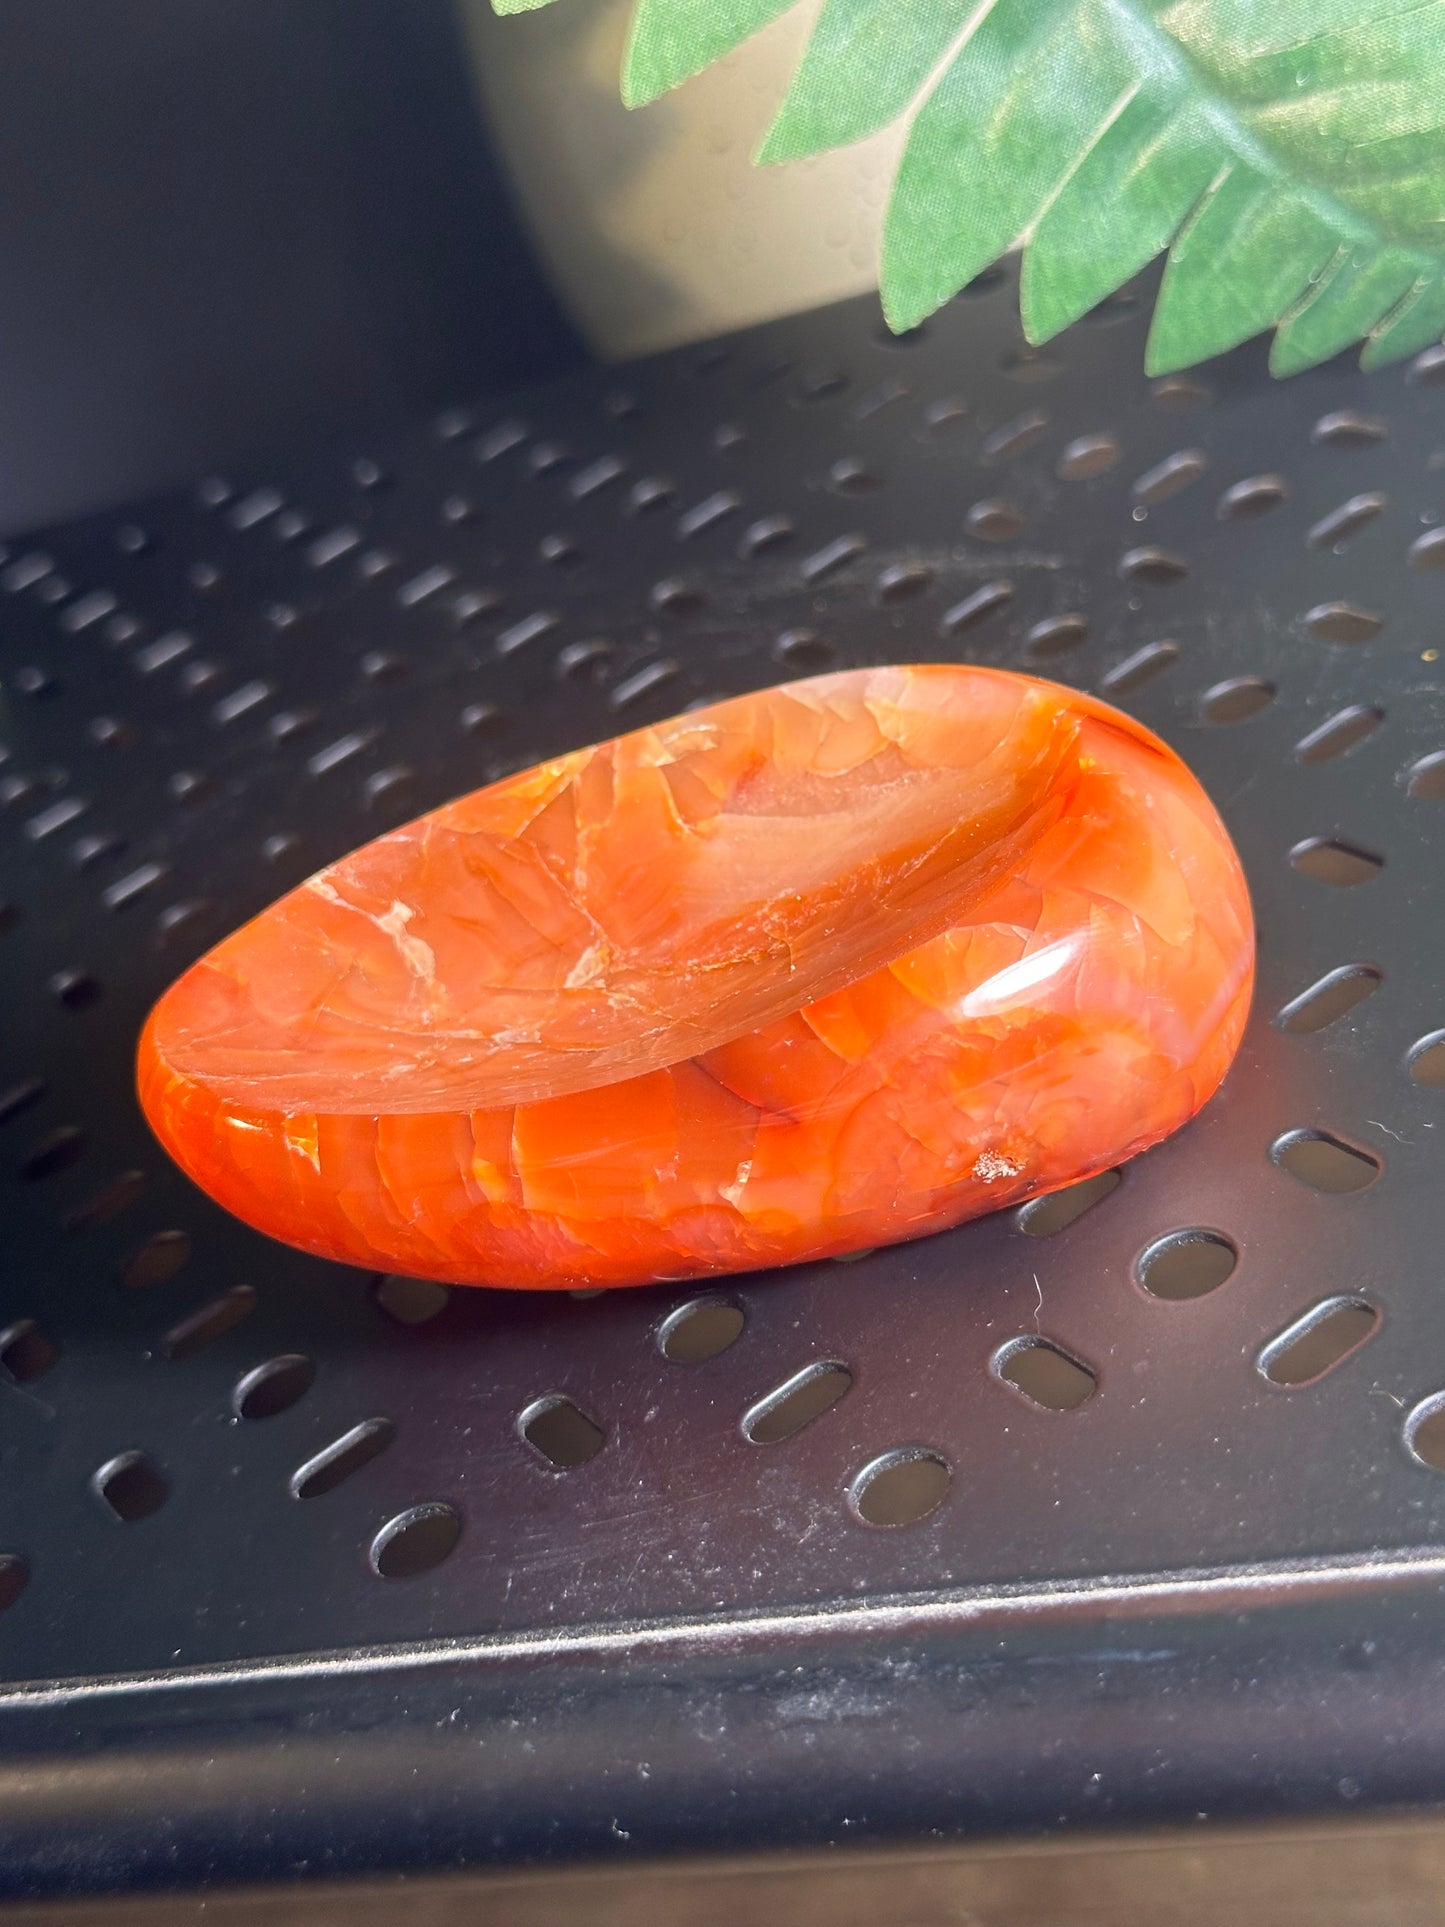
<point x="1426" y="778"/>
<point x="901" y="1487"/>
<point x="410" y="1301"/>
<point x="55" y="1152"/>
<point x="1088" y="456"/>
<point x="130" y="1486"/>
<point x="212" y="1321"/>
<point x="1042" y="1217"/>
<point x="850" y="477"/>
<point x="13" y="1576"/>
<point x="1055" y="636"/>
<point x="25" y="1351"/>
<point x="803" y="649"/>
<point x="976" y="609"/>
<point x="1424" y="1432"/>
<point x="1325" y="1002"/>
<point x="996" y="521"/>
<point x="783" y="1412"/>
<point x="1339" y="733"/>
<point x="162" y="1255"/>
<point x="1141" y="667"/>
<point x="116" y="1195"/>
<point x="416" y="1540"/>
<point x="332" y="1466"/>
<point x="1153" y="565"/>
<point x="1168" y="477"/>
<point x="699" y="1331"/>
<point x="561" y="1432"/>
<point x="1237" y="699"/>
<point x="1180" y="393"/>
<point x="1045" y="1374"/>
<point x="1341" y="525"/>
<point x="1255" y="495"/>
<point x="1342" y="622"/>
<point x="1013" y="437"/>
<point x="1317" y="1342"/>
<point x="1346" y="428"/>
<point x="1325" y="1162"/>
<point x="1186" y="1264"/>
<point x="903" y="581"/>
<point x="1426" y="1061"/>
<point x="1329" y="859"/>
<point x="274" y="1387"/>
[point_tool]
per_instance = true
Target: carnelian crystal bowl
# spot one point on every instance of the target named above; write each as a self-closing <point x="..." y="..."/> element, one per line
<point x="820" y="968"/>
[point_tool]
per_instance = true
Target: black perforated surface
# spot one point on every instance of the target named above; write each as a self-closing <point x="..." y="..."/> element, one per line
<point x="209" y="696"/>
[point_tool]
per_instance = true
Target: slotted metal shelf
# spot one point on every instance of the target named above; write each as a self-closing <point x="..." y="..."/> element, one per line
<point x="308" y="1570"/>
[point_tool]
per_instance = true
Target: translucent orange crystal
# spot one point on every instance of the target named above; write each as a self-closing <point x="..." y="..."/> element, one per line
<point x="819" y="968"/>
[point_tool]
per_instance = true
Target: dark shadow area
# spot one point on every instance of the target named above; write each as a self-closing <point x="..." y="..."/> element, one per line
<point x="230" y="227"/>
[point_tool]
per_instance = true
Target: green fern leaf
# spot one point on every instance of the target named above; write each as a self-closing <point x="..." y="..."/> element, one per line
<point x="673" y="39"/>
<point x="1418" y="321"/>
<point x="1290" y="156"/>
<point x="1127" y="197"/>
<point x="982" y="160"/>
<point x="1341" y="305"/>
<point x="1240" y="261"/>
<point x="866" y="62"/>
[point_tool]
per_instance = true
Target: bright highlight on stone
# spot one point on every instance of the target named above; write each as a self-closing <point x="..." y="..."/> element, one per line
<point x="820" y="968"/>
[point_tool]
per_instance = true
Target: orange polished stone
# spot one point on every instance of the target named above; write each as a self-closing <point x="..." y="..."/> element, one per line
<point x="819" y="968"/>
